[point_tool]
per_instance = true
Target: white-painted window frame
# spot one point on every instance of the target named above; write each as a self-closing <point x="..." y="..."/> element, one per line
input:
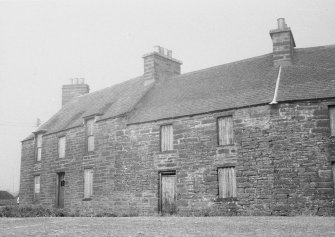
<point x="90" y="134"/>
<point x="37" y="184"/>
<point x="39" y="140"/>
<point x="331" y="110"/>
<point x="61" y="146"/>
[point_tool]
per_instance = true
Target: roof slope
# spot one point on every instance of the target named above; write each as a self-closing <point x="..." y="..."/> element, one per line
<point x="5" y="195"/>
<point x="243" y="83"/>
<point x="232" y="85"/>
<point x="110" y="102"/>
<point x="312" y="75"/>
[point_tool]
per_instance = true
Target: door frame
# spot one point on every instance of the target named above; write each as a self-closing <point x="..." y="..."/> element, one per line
<point x="58" y="174"/>
<point x="160" y="174"/>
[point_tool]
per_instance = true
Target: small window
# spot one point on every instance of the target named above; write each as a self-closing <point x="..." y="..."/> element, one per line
<point x="90" y="134"/>
<point x="332" y="119"/>
<point x="88" y="183"/>
<point x="38" y="147"/>
<point x="227" y="182"/>
<point x="166" y="138"/>
<point x="37" y="180"/>
<point x="225" y="133"/>
<point x="61" y="147"/>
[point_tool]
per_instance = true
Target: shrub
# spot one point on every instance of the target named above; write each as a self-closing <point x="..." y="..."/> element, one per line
<point x="31" y="211"/>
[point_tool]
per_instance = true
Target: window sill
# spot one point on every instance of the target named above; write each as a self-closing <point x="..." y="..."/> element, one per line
<point x="230" y="199"/>
<point x="168" y="152"/>
<point x="232" y="144"/>
<point x="90" y="153"/>
<point x="87" y="199"/>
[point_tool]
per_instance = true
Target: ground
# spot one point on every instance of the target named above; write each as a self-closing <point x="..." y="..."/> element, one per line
<point x="168" y="226"/>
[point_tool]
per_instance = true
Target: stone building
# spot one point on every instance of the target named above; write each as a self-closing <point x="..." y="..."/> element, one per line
<point x="254" y="136"/>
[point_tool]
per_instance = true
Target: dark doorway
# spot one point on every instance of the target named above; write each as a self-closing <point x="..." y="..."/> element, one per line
<point x="168" y="192"/>
<point x="60" y="189"/>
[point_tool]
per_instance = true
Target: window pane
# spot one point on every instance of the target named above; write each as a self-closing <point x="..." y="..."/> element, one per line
<point x="166" y="138"/>
<point x="332" y="119"/>
<point x="61" y="147"/>
<point x="88" y="183"/>
<point x="90" y="143"/>
<point x="37" y="184"/>
<point x="90" y="124"/>
<point x="39" y="154"/>
<point x="39" y="140"/>
<point x="226" y="133"/>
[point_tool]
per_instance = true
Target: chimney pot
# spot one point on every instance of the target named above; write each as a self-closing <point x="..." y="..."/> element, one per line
<point x="281" y="23"/>
<point x="156" y="48"/>
<point x="169" y="53"/>
<point x="161" y="50"/>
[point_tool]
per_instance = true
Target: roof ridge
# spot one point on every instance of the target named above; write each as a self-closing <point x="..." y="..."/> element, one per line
<point x="226" y="64"/>
<point x="109" y="87"/>
<point x="304" y="66"/>
<point x="315" y="47"/>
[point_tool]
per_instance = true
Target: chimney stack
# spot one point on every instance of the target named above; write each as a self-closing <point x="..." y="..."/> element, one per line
<point x="160" y="65"/>
<point x="76" y="88"/>
<point x="283" y="44"/>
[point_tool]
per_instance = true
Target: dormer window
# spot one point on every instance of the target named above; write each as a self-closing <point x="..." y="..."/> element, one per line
<point x="90" y="134"/>
<point x="38" y="147"/>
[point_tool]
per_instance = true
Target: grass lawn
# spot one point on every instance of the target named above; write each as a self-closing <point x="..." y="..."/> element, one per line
<point x="168" y="226"/>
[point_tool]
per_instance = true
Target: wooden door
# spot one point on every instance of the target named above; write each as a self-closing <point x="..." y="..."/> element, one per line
<point x="61" y="189"/>
<point x="168" y="193"/>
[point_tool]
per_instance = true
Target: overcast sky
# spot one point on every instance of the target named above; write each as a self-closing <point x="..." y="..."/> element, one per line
<point x="44" y="43"/>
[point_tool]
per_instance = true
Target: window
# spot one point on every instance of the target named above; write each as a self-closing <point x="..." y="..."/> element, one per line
<point x="333" y="169"/>
<point x="61" y="147"/>
<point x="227" y="182"/>
<point x="38" y="147"/>
<point x="90" y="134"/>
<point x="166" y="138"/>
<point x="88" y="183"/>
<point x="226" y="133"/>
<point x="37" y="180"/>
<point x="332" y="119"/>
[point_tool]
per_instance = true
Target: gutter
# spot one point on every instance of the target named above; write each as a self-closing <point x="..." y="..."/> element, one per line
<point x="274" y="100"/>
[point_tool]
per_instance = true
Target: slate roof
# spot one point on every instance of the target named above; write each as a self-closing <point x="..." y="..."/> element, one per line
<point x="110" y="102"/>
<point x="4" y="195"/>
<point x="244" y="83"/>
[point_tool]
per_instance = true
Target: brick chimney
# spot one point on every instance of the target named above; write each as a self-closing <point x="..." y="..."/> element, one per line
<point x="76" y="88"/>
<point x="160" y="65"/>
<point x="283" y="44"/>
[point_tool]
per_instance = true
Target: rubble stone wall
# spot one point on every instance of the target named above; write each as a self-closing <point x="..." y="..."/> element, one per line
<point x="282" y="156"/>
